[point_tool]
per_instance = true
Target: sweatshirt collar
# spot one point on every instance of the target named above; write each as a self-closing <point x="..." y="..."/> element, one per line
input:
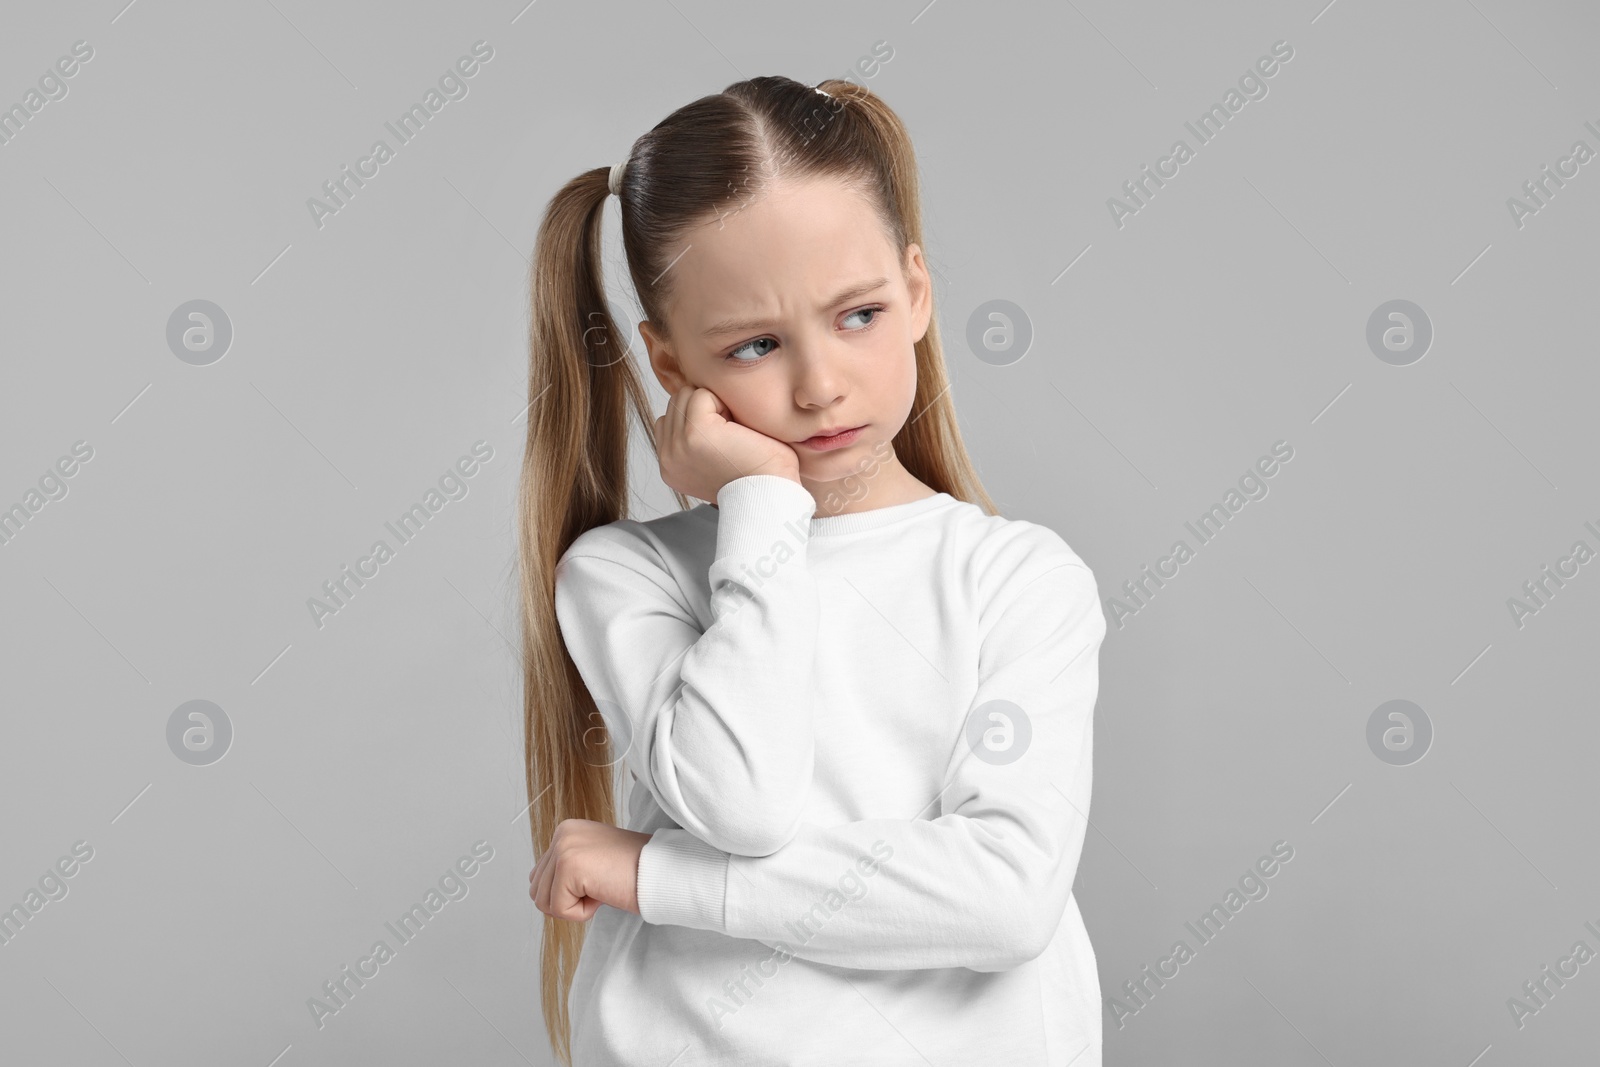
<point x="872" y="519"/>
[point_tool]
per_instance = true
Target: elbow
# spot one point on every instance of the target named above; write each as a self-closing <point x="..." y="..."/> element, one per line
<point x="1021" y="939"/>
<point x="1011" y="952"/>
<point x="756" y="830"/>
<point x="754" y="816"/>
<point x="1030" y="890"/>
<point x="1030" y="943"/>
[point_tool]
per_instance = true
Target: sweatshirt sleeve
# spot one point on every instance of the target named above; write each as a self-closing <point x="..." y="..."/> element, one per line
<point x="717" y="725"/>
<point x="981" y="877"/>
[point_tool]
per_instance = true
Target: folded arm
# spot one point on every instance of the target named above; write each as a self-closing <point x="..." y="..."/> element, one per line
<point x="717" y="725"/>
<point x="981" y="878"/>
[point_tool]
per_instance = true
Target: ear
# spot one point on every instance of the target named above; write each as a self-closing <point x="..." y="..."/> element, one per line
<point x="662" y="361"/>
<point x="920" y="286"/>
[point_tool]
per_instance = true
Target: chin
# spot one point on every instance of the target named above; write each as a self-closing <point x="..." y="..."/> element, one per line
<point x="832" y="466"/>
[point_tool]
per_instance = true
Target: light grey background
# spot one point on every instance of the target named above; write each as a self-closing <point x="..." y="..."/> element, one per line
<point x="369" y="354"/>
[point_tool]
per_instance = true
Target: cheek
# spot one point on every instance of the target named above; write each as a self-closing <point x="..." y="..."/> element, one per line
<point x="752" y="403"/>
<point x="900" y="370"/>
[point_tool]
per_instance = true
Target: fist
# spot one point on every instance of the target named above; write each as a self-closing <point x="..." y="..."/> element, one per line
<point x="702" y="449"/>
<point x="587" y="864"/>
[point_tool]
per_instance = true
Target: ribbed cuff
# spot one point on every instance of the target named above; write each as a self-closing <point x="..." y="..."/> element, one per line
<point x="759" y="510"/>
<point x="682" y="881"/>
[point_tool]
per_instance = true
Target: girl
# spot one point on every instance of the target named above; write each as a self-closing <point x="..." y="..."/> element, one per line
<point x="855" y="708"/>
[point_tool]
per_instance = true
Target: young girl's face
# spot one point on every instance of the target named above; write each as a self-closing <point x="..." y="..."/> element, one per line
<point x="797" y="311"/>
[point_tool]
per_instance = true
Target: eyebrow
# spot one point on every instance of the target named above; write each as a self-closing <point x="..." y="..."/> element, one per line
<point x="735" y="325"/>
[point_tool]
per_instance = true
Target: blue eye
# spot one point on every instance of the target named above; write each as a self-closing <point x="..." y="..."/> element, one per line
<point x="874" y="311"/>
<point x="734" y="355"/>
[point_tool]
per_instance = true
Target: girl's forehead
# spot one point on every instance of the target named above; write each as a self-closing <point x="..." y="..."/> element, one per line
<point x="808" y="236"/>
<point x="713" y="303"/>
<point x="779" y="253"/>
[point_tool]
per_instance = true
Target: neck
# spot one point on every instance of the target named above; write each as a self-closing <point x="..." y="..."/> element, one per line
<point x="881" y="484"/>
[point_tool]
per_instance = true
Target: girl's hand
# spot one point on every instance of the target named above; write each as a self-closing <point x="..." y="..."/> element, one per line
<point x="587" y="864"/>
<point x="702" y="450"/>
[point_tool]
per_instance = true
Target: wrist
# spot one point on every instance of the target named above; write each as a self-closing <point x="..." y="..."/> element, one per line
<point x="637" y="841"/>
<point x="682" y="881"/>
<point x="786" y="475"/>
<point x="782" y="466"/>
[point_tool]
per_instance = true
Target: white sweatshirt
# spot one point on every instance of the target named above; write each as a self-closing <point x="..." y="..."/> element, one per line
<point x="856" y="854"/>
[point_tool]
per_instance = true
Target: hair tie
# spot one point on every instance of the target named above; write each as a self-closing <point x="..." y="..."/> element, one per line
<point x="614" y="182"/>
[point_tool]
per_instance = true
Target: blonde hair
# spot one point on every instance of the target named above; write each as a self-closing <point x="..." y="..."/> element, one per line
<point x="582" y="381"/>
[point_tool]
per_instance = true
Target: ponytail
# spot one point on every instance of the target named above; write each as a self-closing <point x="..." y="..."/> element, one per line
<point x="581" y="384"/>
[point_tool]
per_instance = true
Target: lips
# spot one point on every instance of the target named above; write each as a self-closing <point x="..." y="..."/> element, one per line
<point x="839" y="439"/>
<point x="834" y="432"/>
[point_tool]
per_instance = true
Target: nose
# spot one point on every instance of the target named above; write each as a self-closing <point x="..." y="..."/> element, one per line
<point x="819" y="373"/>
